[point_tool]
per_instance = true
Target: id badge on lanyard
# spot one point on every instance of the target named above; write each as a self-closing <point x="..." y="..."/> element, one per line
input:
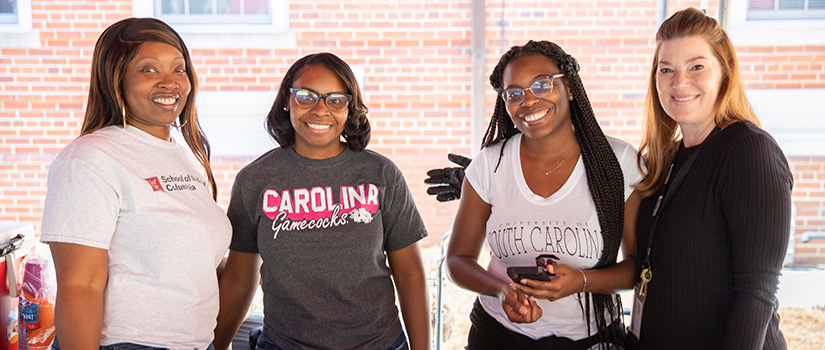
<point x="639" y="296"/>
<point x="640" y="289"/>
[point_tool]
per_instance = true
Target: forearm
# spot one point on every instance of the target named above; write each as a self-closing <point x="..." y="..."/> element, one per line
<point x="82" y="274"/>
<point x="466" y="272"/>
<point x="612" y="279"/>
<point x="748" y="323"/>
<point x="755" y="283"/>
<point x="234" y="302"/>
<point x="758" y="254"/>
<point x="79" y="317"/>
<point x="238" y="284"/>
<point x="415" y="309"/>
<point x="466" y="244"/>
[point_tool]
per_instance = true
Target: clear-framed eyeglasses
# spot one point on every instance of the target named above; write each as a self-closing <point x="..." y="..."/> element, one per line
<point x="539" y="88"/>
<point x="306" y="98"/>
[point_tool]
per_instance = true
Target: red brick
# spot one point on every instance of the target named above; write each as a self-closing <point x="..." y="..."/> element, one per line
<point x="424" y="80"/>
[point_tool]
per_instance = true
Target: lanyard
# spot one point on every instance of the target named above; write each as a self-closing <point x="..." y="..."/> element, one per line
<point x="670" y="189"/>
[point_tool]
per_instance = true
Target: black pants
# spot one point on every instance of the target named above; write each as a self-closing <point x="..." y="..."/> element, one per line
<point x="488" y="334"/>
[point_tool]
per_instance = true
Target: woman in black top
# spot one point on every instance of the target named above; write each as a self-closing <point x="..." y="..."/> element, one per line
<point x="719" y="242"/>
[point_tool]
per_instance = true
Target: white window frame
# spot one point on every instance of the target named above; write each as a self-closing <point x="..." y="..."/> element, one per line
<point x="20" y="34"/>
<point x="217" y="19"/>
<point x="781" y="32"/>
<point x="273" y="35"/>
<point x="790" y="115"/>
<point x="793" y="117"/>
<point x="776" y="14"/>
<point x="14" y="17"/>
<point x="234" y="121"/>
<point x="24" y="16"/>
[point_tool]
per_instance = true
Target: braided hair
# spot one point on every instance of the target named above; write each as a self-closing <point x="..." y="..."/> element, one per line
<point x="601" y="165"/>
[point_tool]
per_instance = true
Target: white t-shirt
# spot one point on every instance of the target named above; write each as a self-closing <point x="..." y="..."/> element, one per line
<point x="147" y="202"/>
<point x="524" y="225"/>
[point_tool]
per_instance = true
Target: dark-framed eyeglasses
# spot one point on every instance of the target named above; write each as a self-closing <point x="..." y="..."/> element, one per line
<point x="539" y="88"/>
<point x="306" y="98"/>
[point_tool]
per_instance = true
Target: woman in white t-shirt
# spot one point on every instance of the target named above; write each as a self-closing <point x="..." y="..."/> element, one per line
<point x="130" y="214"/>
<point x="546" y="191"/>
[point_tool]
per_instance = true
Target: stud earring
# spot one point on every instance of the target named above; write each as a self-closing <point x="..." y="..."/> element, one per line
<point x="571" y="97"/>
<point x="285" y="109"/>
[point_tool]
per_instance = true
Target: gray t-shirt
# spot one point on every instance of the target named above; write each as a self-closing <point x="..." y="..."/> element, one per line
<point x="322" y="228"/>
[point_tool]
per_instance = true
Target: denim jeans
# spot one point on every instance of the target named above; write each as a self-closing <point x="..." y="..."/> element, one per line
<point x="125" y="346"/>
<point x="265" y="343"/>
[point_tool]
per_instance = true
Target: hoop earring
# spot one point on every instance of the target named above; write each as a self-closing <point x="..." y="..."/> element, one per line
<point x="178" y="126"/>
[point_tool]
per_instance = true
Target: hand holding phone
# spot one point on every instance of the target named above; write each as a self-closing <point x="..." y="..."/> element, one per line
<point x="538" y="272"/>
<point x="517" y="273"/>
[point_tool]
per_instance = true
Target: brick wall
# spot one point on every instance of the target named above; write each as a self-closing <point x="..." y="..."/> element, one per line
<point x="809" y="202"/>
<point x="417" y="61"/>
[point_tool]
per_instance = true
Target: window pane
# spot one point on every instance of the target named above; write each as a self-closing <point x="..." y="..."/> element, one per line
<point x="8" y="12"/>
<point x="816" y="4"/>
<point x="760" y="5"/>
<point x="198" y="12"/>
<point x="262" y="7"/>
<point x="169" y="7"/>
<point x="200" y="7"/>
<point x="8" y="6"/>
<point x="229" y="7"/>
<point x="791" y="4"/>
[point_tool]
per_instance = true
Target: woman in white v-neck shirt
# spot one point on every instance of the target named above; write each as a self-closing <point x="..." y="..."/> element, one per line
<point x="547" y="184"/>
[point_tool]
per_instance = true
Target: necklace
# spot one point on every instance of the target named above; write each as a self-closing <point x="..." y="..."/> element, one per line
<point x="539" y="166"/>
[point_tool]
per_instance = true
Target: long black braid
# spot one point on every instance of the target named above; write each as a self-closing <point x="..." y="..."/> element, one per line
<point x="601" y="166"/>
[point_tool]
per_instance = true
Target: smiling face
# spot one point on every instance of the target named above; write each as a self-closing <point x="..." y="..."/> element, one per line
<point x="543" y="117"/>
<point x="155" y="87"/>
<point x="688" y="78"/>
<point x="317" y="129"/>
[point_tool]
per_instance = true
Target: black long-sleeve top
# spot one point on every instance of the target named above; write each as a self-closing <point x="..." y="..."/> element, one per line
<point x="718" y="246"/>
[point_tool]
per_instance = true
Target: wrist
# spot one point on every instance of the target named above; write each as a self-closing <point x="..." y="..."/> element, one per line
<point x="503" y="291"/>
<point x="584" y="281"/>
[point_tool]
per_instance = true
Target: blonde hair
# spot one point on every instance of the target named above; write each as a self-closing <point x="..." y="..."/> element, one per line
<point x="661" y="133"/>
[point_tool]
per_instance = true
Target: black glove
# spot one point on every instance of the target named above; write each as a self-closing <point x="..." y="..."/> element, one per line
<point x="447" y="181"/>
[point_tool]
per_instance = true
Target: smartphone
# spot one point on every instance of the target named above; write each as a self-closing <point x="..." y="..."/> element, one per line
<point x="517" y="273"/>
<point x="546" y="259"/>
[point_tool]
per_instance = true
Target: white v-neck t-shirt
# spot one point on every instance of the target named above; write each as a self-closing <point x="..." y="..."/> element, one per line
<point x="523" y="225"/>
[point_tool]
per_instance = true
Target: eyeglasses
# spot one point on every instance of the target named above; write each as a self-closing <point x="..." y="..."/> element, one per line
<point x="539" y="88"/>
<point x="306" y="98"/>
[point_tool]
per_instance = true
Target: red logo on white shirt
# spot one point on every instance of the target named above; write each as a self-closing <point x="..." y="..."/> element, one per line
<point x="155" y="183"/>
